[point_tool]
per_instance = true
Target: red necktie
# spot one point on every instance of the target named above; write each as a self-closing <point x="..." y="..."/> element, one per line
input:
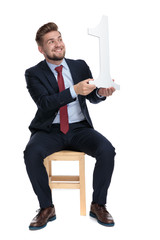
<point x="64" y="126"/>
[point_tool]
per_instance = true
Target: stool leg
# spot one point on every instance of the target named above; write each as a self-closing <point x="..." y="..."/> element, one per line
<point x="82" y="186"/>
<point x="48" y="166"/>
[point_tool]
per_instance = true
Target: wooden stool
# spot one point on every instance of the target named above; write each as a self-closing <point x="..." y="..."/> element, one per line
<point x="72" y="182"/>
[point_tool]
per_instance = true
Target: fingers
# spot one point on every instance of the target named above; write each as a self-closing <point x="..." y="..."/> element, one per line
<point x="84" y="88"/>
<point x="88" y="80"/>
<point x="109" y="91"/>
<point x="87" y="88"/>
<point x="112" y="90"/>
<point x="106" y="92"/>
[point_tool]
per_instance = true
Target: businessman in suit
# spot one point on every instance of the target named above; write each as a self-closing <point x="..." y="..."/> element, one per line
<point x="60" y="87"/>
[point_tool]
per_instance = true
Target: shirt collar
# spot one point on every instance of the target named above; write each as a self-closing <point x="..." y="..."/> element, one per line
<point x="53" y="66"/>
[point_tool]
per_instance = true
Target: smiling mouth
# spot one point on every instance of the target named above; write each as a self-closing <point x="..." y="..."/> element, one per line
<point x="58" y="50"/>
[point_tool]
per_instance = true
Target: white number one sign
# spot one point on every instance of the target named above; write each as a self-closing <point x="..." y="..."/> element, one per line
<point x="101" y="31"/>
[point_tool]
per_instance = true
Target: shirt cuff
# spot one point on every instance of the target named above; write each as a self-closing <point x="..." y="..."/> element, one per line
<point x="73" y="93"/>
<point x="98" y="94"/>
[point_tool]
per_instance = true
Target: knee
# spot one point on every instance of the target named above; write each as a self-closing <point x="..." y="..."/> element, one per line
<point x="105" y="148"/>
<point x="112" y="150"/>
<point x="33" y="154"/>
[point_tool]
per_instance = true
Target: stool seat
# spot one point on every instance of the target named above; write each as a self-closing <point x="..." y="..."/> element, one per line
<point x="67" y="181"/>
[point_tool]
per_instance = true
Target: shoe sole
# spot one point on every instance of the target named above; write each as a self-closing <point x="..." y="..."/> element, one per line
<point x="102" y="223"/>
<point x="38" y="228"/>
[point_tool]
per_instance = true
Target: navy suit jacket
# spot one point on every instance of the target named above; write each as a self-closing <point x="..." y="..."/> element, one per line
<point x="43" y="88"/>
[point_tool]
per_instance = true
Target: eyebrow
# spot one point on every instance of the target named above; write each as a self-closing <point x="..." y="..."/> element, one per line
<point x="54" y="38"/>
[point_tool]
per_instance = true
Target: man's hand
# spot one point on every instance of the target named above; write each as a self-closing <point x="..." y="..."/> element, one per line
<point x="106" y="92"/>
<point x="84" y="88"/>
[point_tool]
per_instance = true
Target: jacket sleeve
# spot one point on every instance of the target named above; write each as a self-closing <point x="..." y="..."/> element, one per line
<point x="44" y="100"/>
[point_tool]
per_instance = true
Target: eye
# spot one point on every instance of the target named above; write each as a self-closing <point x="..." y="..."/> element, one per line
<point x="50" y="42"/>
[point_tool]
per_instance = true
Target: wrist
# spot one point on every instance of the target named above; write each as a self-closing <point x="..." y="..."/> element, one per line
<point x="76" y="89"/>
<point x="98" y="93"/>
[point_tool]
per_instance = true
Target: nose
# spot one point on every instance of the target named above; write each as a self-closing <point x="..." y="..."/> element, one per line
<point x="57" y="44"/>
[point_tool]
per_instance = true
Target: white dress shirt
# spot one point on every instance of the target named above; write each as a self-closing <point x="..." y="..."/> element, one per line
<point x="74" y="110"/>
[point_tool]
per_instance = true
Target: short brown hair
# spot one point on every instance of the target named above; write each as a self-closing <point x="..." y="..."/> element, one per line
<point x="46" y="28"/>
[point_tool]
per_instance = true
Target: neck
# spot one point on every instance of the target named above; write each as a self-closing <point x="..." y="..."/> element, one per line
<point x="55" y="62"/>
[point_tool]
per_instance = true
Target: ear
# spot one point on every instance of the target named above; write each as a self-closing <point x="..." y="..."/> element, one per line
<point x="40" y="48"/>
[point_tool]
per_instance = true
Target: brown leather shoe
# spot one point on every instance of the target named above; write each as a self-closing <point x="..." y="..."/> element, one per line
<point x="42" y="218"/>
<point x="101" y="214"/>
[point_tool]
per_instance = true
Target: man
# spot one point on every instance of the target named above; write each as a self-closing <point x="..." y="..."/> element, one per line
<point x="60" y="87"/>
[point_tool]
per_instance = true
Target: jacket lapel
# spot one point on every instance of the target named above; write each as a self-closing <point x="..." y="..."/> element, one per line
<point x="50" y="76"/>
<point x="73" y="70"/>
<point x="75" y="76"/>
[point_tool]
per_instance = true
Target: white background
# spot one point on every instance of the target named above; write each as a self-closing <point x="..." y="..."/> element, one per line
<point x="129" y="119"/>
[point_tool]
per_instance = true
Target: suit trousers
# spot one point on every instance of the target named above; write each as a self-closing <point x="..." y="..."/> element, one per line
<point x="80" y="137"/>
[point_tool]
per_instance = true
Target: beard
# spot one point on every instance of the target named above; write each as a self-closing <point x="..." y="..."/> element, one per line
<point x="54" y="57"/>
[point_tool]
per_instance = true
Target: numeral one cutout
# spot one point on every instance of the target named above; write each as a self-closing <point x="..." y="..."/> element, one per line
<point x="101" y="31"/>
